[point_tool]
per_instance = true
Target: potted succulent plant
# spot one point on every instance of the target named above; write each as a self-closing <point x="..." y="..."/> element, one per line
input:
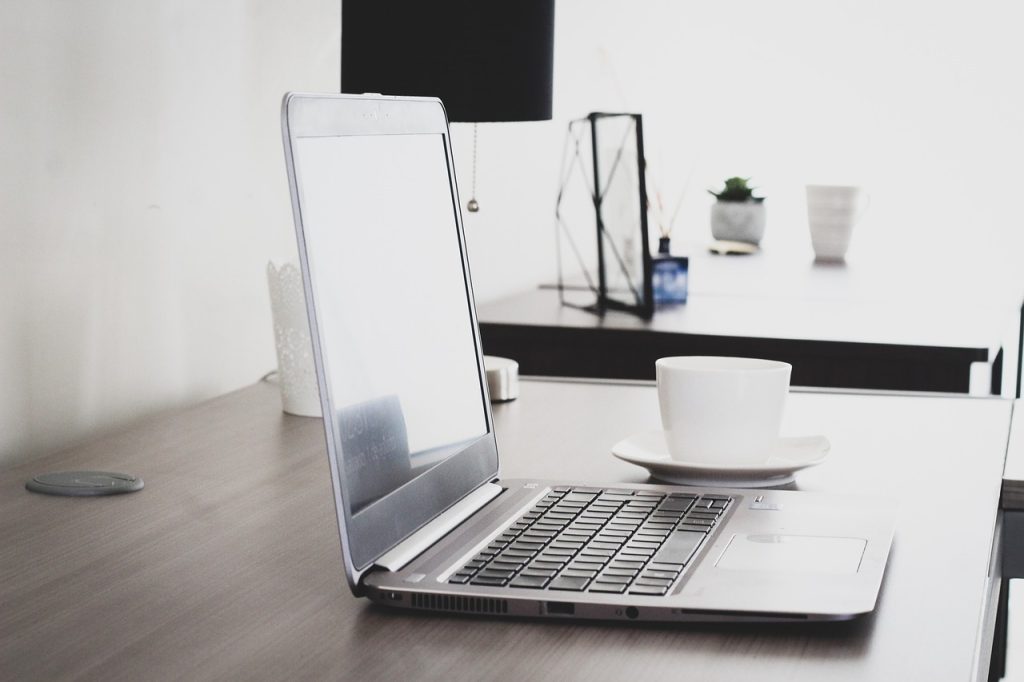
<point x="738" y="215"/>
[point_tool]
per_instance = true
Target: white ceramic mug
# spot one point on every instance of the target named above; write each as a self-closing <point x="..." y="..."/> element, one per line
<point x="721" y="411"/>
<point x="832" y="211"/>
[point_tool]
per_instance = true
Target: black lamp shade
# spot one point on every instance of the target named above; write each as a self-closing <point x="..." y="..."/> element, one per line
<point x="488" y="60"/>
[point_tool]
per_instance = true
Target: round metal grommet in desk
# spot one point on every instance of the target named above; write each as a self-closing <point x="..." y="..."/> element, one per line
<point x="502" y="378"/>
<point x="84" y="483"/>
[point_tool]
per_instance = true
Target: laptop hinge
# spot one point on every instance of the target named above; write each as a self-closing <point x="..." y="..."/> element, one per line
<point x="417" y="543"/>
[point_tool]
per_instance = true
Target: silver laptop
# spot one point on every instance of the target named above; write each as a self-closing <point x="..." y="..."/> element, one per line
<point x="425" y="520"/>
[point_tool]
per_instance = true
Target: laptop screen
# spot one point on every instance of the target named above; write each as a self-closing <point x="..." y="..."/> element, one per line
<point x="396" y="332"/>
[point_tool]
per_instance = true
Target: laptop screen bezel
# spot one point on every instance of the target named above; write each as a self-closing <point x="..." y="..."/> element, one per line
<point x="383" y="524"/>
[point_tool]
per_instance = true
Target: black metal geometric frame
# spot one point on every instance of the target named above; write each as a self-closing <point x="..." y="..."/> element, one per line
<point x="639" y="299"/>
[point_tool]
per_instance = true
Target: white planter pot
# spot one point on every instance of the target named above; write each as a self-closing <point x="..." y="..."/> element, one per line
<point x="738" y="221"/>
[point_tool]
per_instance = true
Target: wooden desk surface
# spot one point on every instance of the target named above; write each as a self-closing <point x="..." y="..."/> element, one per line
<point x="227" y="565"/>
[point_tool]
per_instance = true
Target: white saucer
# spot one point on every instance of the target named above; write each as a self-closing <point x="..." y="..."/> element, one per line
<point x="787" y="456"/>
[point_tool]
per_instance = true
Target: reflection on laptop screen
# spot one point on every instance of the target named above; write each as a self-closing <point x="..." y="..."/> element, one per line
<point x="400" y="359"/>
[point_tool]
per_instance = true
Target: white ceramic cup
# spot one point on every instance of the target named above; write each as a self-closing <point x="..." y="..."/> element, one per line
<point x="832" y="211"/>
<point x="721" y="411"/>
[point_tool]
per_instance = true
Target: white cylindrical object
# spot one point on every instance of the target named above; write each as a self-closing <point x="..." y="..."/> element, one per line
<point x="295" y="370"/>
<point x="502" y="378"/>
<point x="832" y="212"/>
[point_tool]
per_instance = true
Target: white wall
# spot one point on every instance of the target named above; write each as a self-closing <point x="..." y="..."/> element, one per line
<point x="142" y="186"/>
<point x="142" y="190"/>
<point x="916" y="100"/>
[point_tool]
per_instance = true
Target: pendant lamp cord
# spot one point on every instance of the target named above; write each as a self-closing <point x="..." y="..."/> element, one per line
<point x="473" y="205"/>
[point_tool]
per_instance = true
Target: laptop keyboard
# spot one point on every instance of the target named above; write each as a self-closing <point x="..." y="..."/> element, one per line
<point x="594" y="540"/>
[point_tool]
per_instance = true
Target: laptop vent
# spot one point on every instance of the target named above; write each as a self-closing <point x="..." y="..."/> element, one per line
<point x="444" y="602"/>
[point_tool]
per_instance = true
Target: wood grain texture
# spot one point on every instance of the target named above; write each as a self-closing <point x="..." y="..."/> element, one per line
<point x="227" y="565"/>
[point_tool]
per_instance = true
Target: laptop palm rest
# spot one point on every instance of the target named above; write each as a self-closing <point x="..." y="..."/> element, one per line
<point x="793" y="554"/>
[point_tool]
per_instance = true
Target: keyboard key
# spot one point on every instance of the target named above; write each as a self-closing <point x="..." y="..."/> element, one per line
<point x="647" y="589"/>
<point x="541" y="535"/>
<point x="534" y="581"/>
<point x="546" y="565"/>
<point x="571" y="583"/>
<point x="694" y="527"/>
<point x="531" y="547"/>
<point x="585" y="566"/>
<point x="658" y="525"/>
<point x="657" y="582"/>
<point x="497" y="573"/>
<point x="562" y="489"/>
<point x="459" y="579"/>
<point x="588" y="491"/>
<point x="629" y="573"/>
<point x="552" y="558"/>
<point x="536" y="572"/>
<point x="508" y="562"/>
<point x="559" y="551"/>
<point x="679" y="547"/>
<point x="617" y="533"/>
<point x="612" y="588"/>
<point x="577" y="533"/>
<point x="515" y="554"/>
<point x="635" y="552"/>
<point x="475" y="563"/>
<point x="669" y="575"/>
<point x="604" y="545"/>
<point x="643" y="545"/>
<point x="615" y="579"/>
<point x="569" y="573"/>
<point x="651" y="532"/>
<point x="620" y="563"/>
<point x="587" y="551"/>
<point x="662" y="566"/>
<point x="622" y="525"/>
<point x="719" y="504"/>
<point x="488" y="580"/>
<point x="565" y="544"/>
<point x="649" y="493"/>
<point x="673" y="504"/>
<point x="547" y="526"/>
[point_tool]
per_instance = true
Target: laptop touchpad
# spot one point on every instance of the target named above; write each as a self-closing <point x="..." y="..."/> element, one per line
<point x="793" y="553"/>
